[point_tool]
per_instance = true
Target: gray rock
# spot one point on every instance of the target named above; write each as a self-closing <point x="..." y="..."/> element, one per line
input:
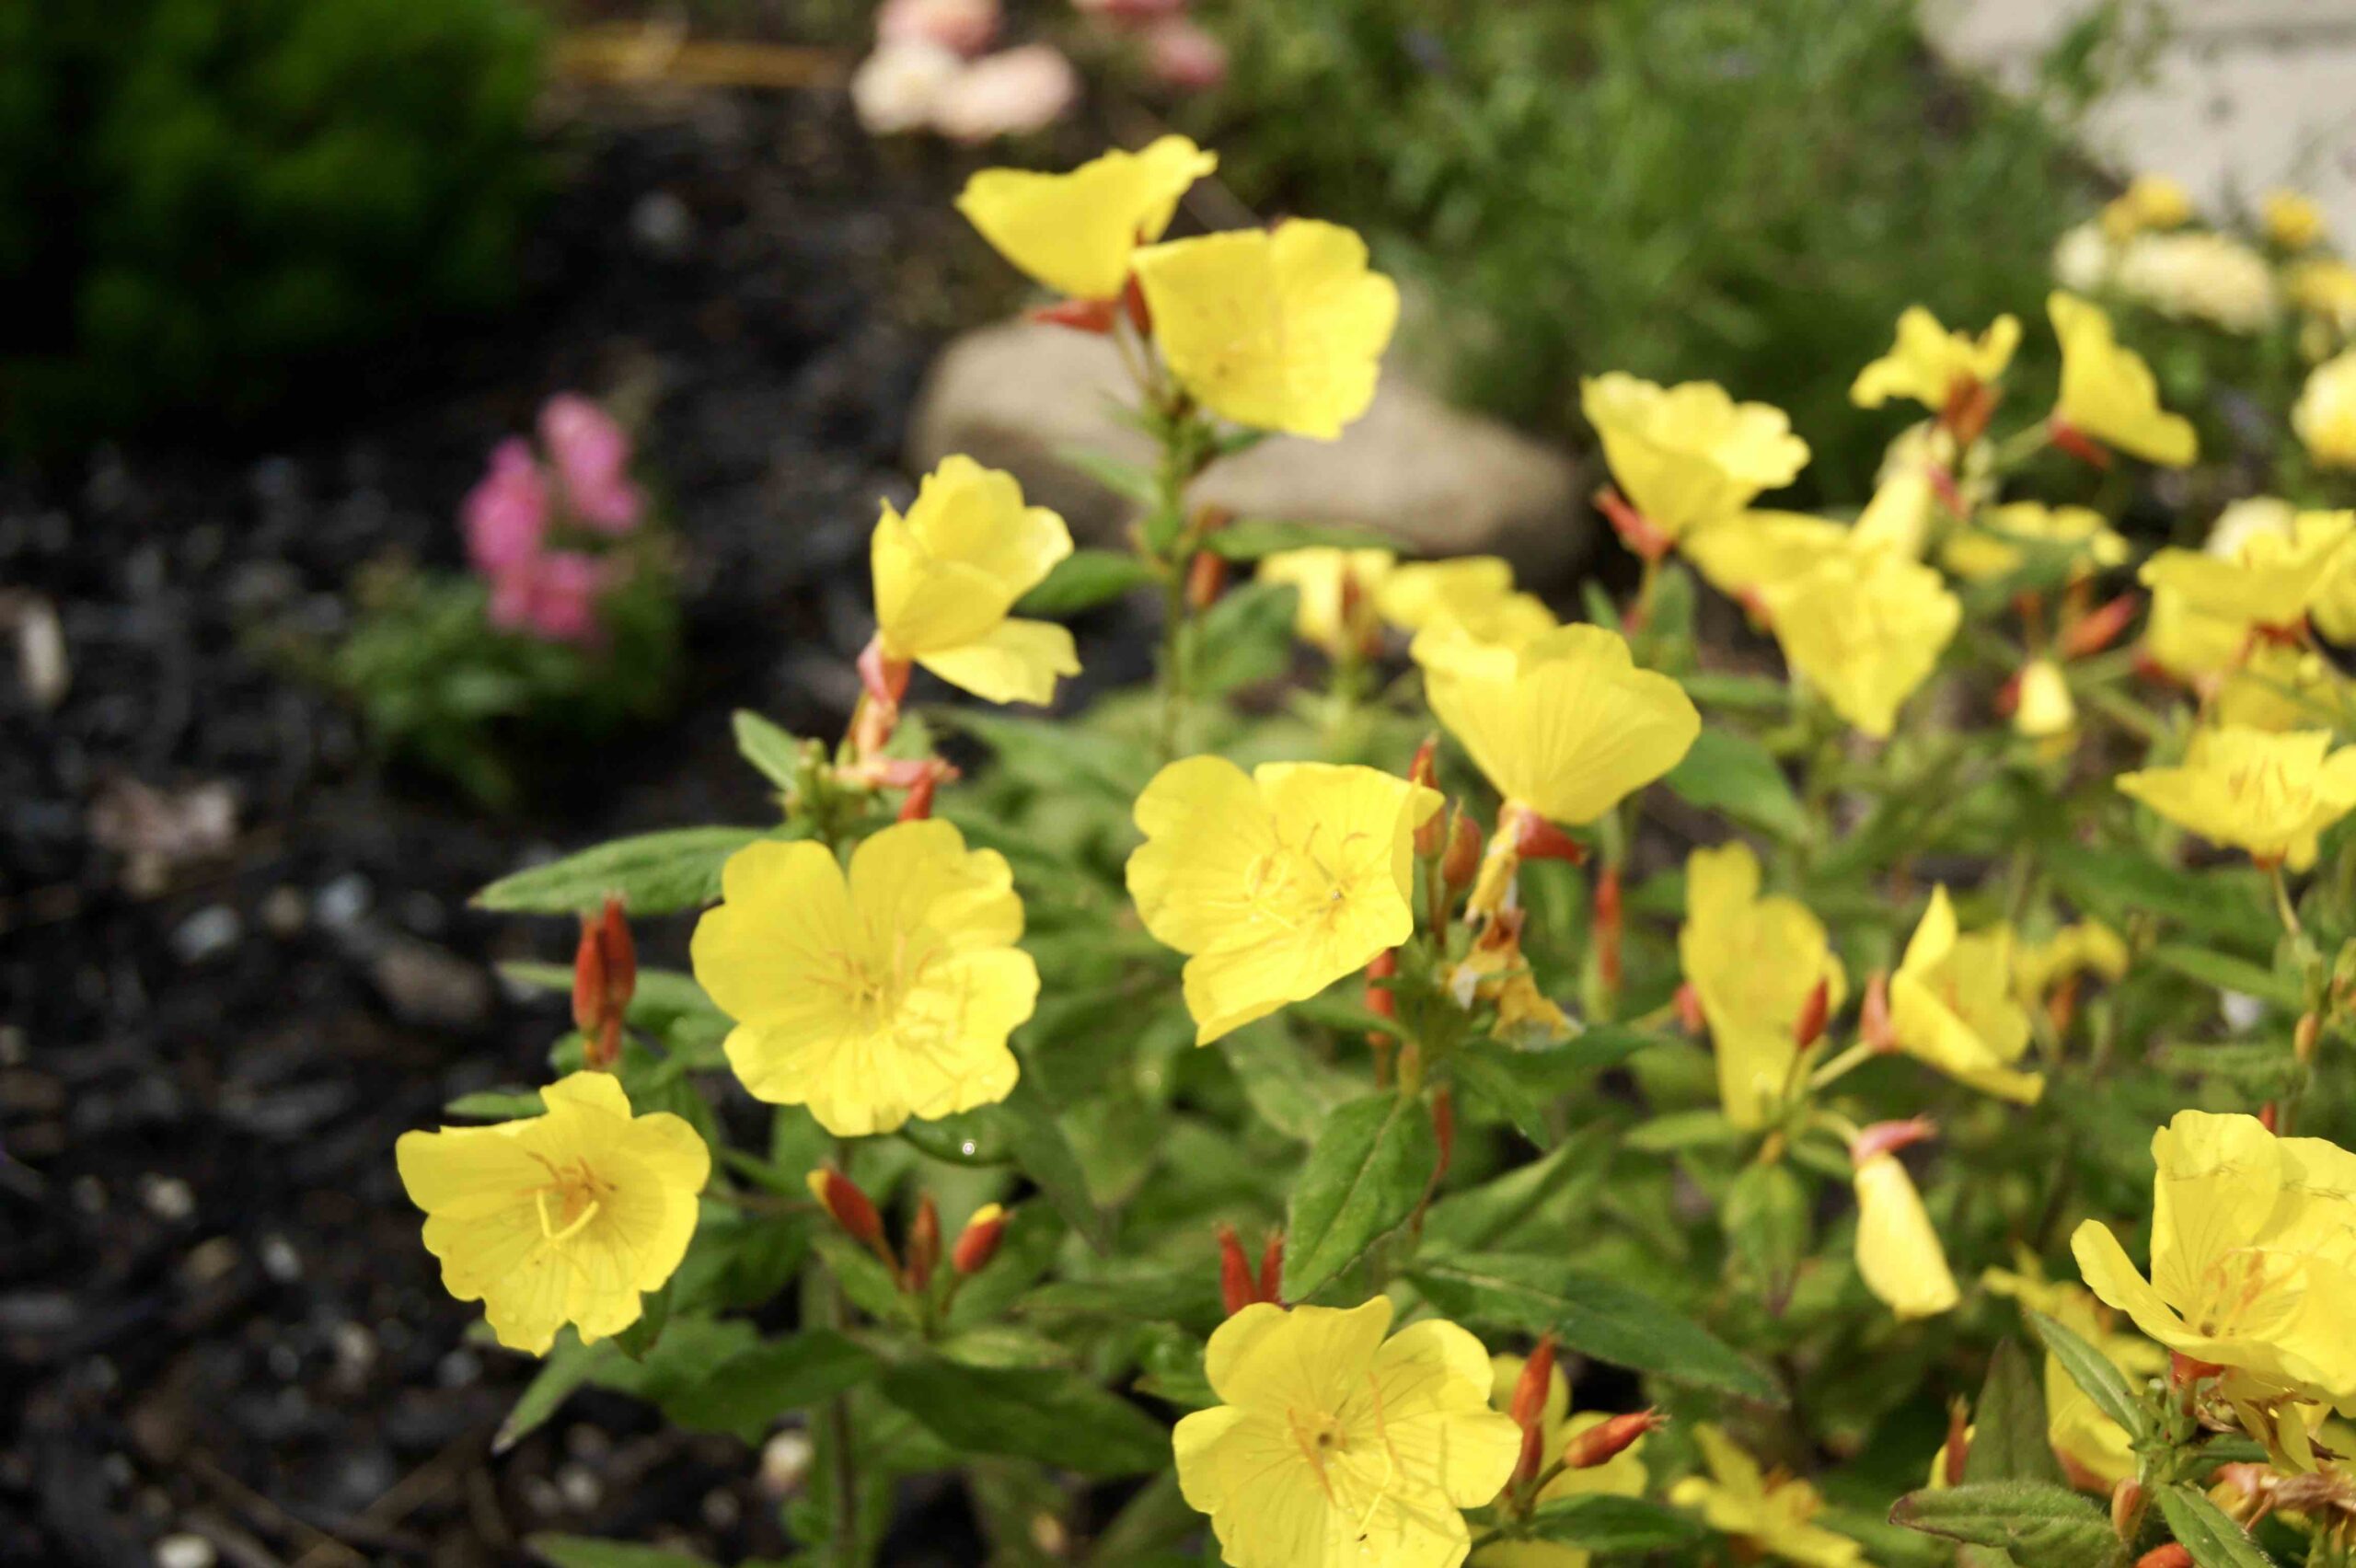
<point x="1018" y="395"/>
<point x="430" y="986"/>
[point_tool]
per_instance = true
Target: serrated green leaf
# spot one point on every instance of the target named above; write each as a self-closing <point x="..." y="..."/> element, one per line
<point x="2208" y="1532"/>
<point x="2093" y="1372"/>
<point x="654" y="873"/>
<point x="1599" y="1521"/>
<point x="1590" y="1314"/>
<point x="2038" y="1524"/>
<point x="1365" y="1174"/>
<point x="776" y="753"/>
<point x="1728" y="771"/>
<point x="1051" y="1416"/>
<point x="2010" y="1440"/>
<point x="1083" y="580"/>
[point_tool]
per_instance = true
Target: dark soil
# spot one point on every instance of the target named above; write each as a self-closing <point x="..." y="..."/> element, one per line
<point x="216" y="1317"/>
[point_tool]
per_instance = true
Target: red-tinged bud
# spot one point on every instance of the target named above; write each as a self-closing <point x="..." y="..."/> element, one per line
<point x="2184" y="1370"/>
<point x="1533" y="1455"/>
<point x="1528" y="1408"/>
<point x="1272" y="1268"/>
<point x="924" y="1243"/>
<point x="885" y="679"/>
<point x="589" y="978"/>
<point x="1380" y="998"/>
<point x="1237" y="1288"/>
<point x="917" y="806"/>
<point x="2008" y="696"/>
<point x="1607" y="1440"/>
<point x="1095" y="316"/>
<point x="1206" y="580"/>
<point x="2270" y="1115"/>
<point x="841" y="1197"/>
<point x="2149" y="668"/>
<point x="2078" y="444"/>
<point x="1635" y="530"/>
<point x="1443" y="1131"/>
<point x="1971" y="403"/>
<point x="2168" y="1556"/>
<point x="1958" y="1445"/>
<point x="1431" y="836"/>
<point x="605" y="978"/>
<point x="2127" y="1509"/>
<point x="1888" y="1137"/>
<point x="978" y="1243"/>
<point x="1943" y="488"/>
<point x="1809" y="1028"/>
<point x="1689" y="1010"/>
<point x="1535" y="839"/>
<point x="2061" y="1007"/>
<point x="1608" y="928"/>
<point x="1141" y="314"/>
<point x="2098" y="628"/>
<point x="1459" y="863"/>
<point x="1873" y="1018"/>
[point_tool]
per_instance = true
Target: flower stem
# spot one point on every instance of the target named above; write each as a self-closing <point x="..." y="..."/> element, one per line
<point x="2282" y="905"/>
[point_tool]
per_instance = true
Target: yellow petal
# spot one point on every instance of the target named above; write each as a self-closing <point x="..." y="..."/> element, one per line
<point x="2108" y="393"/>
<point x="1015" y="661"/>
<point x="1075" y="231"/>
<point x="1690" y="454"/>
<point x="1898" y="1250"/>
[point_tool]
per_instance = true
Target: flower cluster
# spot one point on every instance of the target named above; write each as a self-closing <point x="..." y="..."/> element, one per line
<point x="537" y="524"/>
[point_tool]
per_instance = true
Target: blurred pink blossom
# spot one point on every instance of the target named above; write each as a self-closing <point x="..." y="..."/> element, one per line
<point x="591" y="457"/>
<point x="896" y="89"/>
<point x="1182" y="55"/>
<point x="506" y="515"/>
<point x="962" y="27"/>
<point x="552" y="596"/>
<point x="1007" y="94"/>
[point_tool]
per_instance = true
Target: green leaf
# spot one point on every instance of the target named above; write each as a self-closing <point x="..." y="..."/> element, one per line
<point x="1053" y="1417"/>
<point x="588" y="1552"/>
<point x="1128" y="480"/>
<point x="1521" y="1085"/>
<point x="1251" y="537"/>
<point x="1703" y="1128"/>
<point x="569" y="1365"/>
<point x="1590" y="1314"/>
<point x="1728" y="772"/>
<point x="1766" y="1219"/>
<point x="2208" y="1532"/>
<point x="2093" y="1372"/>
<point x="1246" y="637"/>
<point x="1364" y="1176"/>
<point x="1599" y="1521"/>
<point x="496" y="1105"/>
<point x="2009" y="1439"/>
<point x="2229" y="973"/>
<point x="2038" y="1524"/>
<point x="745" y="1394"/>
<point x="1042" y="1153"/>
<point x="1058" y="755"/>
<point x="1465" y="1221"/>
<point x="654" y="873"/>
<point x="776" y="753"/>
<point x="2260" y="1070"/>
<point x="1294" y="1092"/>
<point x="1083" y="580"/>
<point x="2118" y="884"/>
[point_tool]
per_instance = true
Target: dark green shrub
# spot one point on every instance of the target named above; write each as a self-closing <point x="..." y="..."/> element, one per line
<point x="201" y="200"/>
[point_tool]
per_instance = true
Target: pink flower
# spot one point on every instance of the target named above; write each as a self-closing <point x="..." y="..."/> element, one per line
<point x="1007" y="94"/>
<point x="962" y="27"/>
<point x="591" y="455"/>
<point x="506" y="515"/>
<point x="1184" y="56"/>
<point x="552" y="596"/>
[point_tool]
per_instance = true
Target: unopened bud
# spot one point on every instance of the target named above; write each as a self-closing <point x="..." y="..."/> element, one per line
<point x="1608" y="928"/>
<point x="1873" y="1020"/>
<point x="1537" y="1378"/>
<point x="2127" y="1509"/>
<point x="1888" y="1137"/>
<point x="2304" y="1038"/>
<point x="2269" y="1116"/>
<point x="1689" y="1010"/>
<point x="978" y="1243"/>
<point x="2184" y="1370"/>
<point x="2097" y="629"/>
<point x="918" y="805"/>
<point x="1095" y="316"/>
<point x="2008" y="697"/>
<point x="924" y="1243"/>
<point x="1533" y="1456"/>
<point x="1380" y="970"/>
<point x="605" y="978"/>
<point x="1971" y="403"/>
<point x="2168" y="1556"/>
<point x="1809" y="1028"/>
<point x="1272" y="1268"/>
<point x="1459" y="863"/>
<point x="1607" y="1440"/>
<point x="1206" y="580"/>
<point x="1958" y="1446"/>
<point x="1535" y="839"/>
<point x="1431" y="835"/>
<point x="1237" y="1288"/>
<point x="841" y="1197"/>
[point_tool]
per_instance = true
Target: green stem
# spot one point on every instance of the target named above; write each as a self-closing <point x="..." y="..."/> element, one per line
<point x="2282" y="905"/>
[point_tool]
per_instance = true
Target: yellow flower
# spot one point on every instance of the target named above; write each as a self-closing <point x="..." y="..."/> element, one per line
<point x="2045" y="711"/>
<point x="2324" y="288"/>
<point x="1751" y="553"/>
<point x="2293" y="220"/>
<point x="1336" y="591"/>
<point x="1564" y="725"/>
<point x="2325" y="415"/>
<point x="560" y="1218"/>
<point x="2186" y="642"/>
<point x="1280" y="331"/>
<point x="2262" y="570"/>
<point x="2010" y="537"/>
<point x="1331" y="1444"/>
<point x="1076" y="231"/>
<point x="2109" y="393"/>
<point x="1771" y="1512"/>
<point x="875" y="998"/>
<point x="947" y="573"/>
<point x="1622" y="1475"/>
<point x="1864" y="627"/>
<point x="1898" y="1252"/>
<point x="1930" y="365"/>
<point x="1474" y="592"/>
<point x="2095" y="1447"/>
<point x="2253" y="1258"/>
<point x="1689" y="454"/>
<point x="2199" y="277"/>
<point x="2279" y="687"/>
<point x="1495" y="971"/>
<point x="1277" y="883"/>
<point x="1900" y="516"/>
<point x="1952" y="1005"/>
<point x="1754" y="963"/>
<point x="2089" y="946"/>
<point x="2149" y="201"/>
<point x="2269" y="794"/>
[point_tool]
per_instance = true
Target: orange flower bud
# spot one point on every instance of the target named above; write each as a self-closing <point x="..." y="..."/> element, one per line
<point x="1095" y="316"/>
<point x="1689" y="1010"/>
<point x="1970" y="404"/>
<point x="1533" y="1455"/>
<point x="1809" y="1028"/>
<point x="1206" y="580"/>
<point x="2269" y="1116"/>
<point x="978" y="1243"/>
<point x="924" y="1243"/>
<point x="1272" y="1268"/>
<point x="1459" y="863"/>
<point x="1873" y="1021"/>
<point x="841" y="1197"/>
<point x="1380" y="999"/>
<point x="1536" y="1376"/>
<point x="917" y="806"/>
<point x="605" y="978"/>
<point x="1607" y="1440"/>
<point x="589" y="978"/>
<point x="2183" y="1369"/>
<point x="2168" y="1556"/>
<point x="1958" y="1448"/>
<point x="2098" y="628"/>
<point x="1237" y="1288"/>
<point x="1535" y="839"/>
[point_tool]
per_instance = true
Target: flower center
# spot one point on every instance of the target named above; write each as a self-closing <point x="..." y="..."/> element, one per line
<point x="570" y="1200"/>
